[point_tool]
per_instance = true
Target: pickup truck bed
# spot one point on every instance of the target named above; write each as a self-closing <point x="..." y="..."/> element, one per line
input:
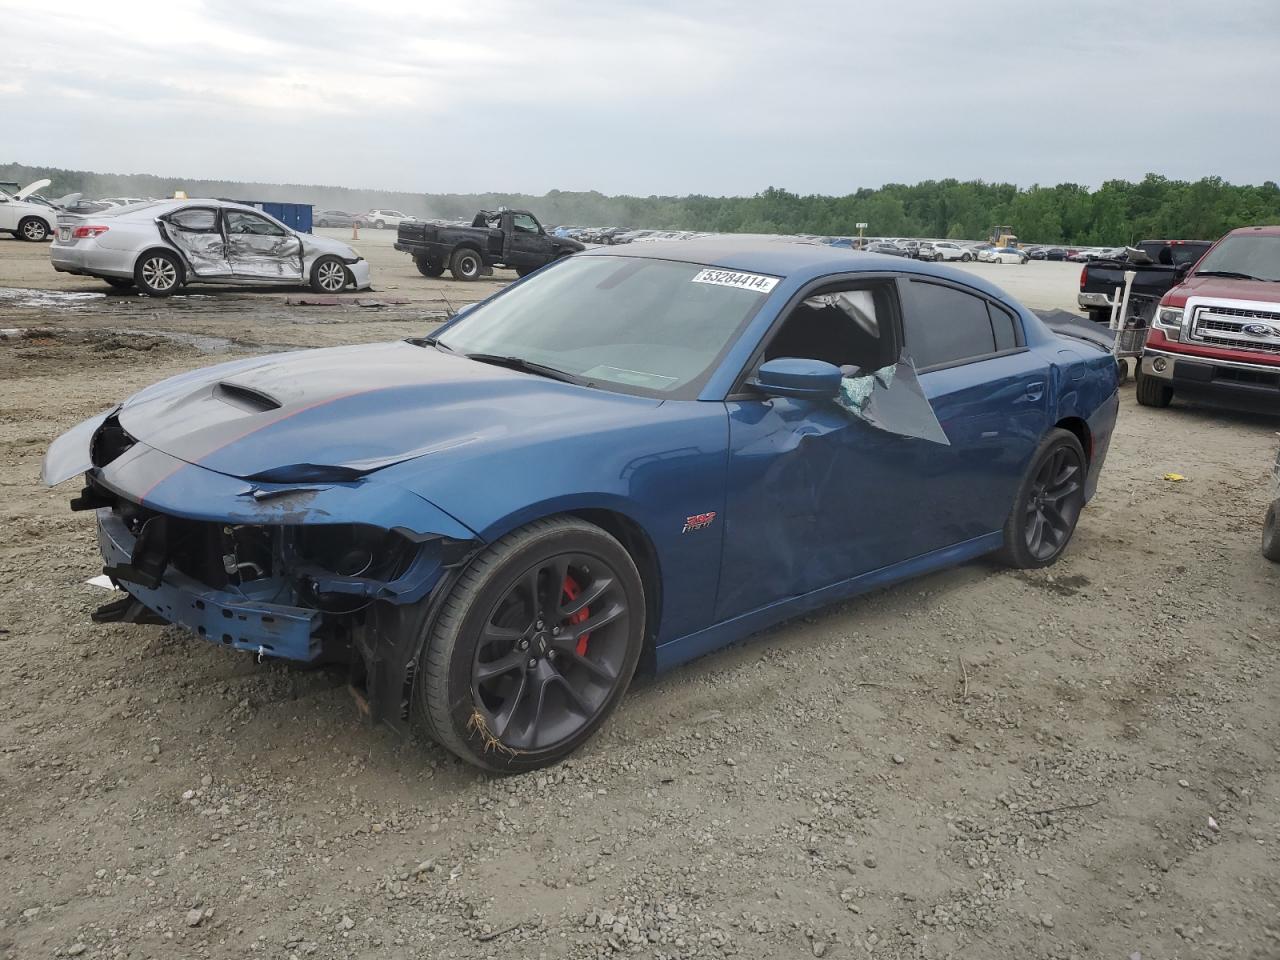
<point x="1158" y="266"/>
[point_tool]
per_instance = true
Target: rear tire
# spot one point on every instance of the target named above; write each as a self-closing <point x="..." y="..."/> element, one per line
<point x="329" y="275"/>
<point x="1100" y="314"/>
<point x="380" y="224"/>
<point x="159" y="273"/>
<point x="322" y="223"/>
<point x="33" y="229"/>
<point x="966" y="257"/>
<point x="1150" y="391"/>
<point x="427" y="268"/>
<point x="1048" y="504"/>
<point x="1271" y="536"/>
<point x="509" y="680"/>
<point x="466" y="264"/>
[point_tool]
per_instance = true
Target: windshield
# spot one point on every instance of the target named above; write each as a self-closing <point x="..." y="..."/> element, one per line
<point x="1252" y="255"/>
<point x="654" y="327"/>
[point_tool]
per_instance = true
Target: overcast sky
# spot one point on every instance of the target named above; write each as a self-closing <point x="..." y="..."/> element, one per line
<point x="650" y="96"/>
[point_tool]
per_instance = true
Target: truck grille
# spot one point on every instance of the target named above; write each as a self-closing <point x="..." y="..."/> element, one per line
<point x="1237" y="328"/>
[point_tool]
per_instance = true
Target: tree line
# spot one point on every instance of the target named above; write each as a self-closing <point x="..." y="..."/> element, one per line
<point x="1117" y="212"/>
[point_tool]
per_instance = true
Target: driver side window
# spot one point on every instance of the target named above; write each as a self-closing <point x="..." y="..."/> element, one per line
<point x="241" y="223"/>
<point x="846" y="325"/>
<point x="524" y="223"/>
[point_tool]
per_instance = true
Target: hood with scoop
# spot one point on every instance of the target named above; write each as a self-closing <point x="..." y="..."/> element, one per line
<point x="339" y="414"/>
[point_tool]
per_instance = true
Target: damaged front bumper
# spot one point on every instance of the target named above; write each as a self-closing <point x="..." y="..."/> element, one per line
<point x="292" y="570"/>
<point x="233" y="619"/>
<point x="359" y="270"/>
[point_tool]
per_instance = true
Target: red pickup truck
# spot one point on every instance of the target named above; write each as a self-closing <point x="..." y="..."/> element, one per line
<point x="1219" y="329"/>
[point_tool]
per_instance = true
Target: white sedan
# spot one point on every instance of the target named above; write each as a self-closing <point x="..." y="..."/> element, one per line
<point x="24" y="218"/>
<point x="1002" y="255"/>
<point x="160" y="247"/>
<point x="387" y="218"/>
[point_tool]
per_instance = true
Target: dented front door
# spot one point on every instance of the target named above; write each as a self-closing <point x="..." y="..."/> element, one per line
<point x="261" y="249"/>
<point x="197" y="233"/>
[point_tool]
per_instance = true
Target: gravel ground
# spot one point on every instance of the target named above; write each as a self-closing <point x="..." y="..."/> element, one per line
<point x="1078" y="762"/>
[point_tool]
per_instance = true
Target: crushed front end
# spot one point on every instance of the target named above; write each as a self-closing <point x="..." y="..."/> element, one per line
<point x="308" y="571"/>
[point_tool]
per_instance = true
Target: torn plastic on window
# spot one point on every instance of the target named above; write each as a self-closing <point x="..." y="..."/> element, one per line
<point x="891" y="399"/>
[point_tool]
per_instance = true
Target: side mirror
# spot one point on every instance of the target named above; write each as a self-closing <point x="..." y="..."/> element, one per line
<point x="798" y="378"/>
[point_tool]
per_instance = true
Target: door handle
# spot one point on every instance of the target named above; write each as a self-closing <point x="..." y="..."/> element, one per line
<point x="1034" y="391"/>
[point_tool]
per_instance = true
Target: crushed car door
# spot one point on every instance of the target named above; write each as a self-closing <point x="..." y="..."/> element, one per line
<point x="526" y="243"/>
<point x="820" y="491"/>
<point x="261" y="249"/>
<point x="197" y="233"/>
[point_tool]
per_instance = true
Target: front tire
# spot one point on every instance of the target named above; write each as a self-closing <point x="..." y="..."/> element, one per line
<point x="1048" y="503"/>
<point x="158" y="273"/>
<point x="1271" y="536"/>
<point x="329" y="275"/>
<point x="322" y="223"/>
<point x="380" y="224"/>
<point x="534" y="646"/>
<point x="1151" y="391"/>
<point x="466" y="264"/>
<point x="33" y="229"/>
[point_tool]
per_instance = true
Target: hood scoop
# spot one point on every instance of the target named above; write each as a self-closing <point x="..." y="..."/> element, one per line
<point x="245" y="398"/>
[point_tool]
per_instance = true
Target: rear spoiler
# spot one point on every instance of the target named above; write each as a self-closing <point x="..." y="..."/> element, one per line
<point x="1072" y="325"/>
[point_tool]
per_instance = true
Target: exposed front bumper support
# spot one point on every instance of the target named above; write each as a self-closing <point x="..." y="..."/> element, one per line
<point x="218" y="616"/>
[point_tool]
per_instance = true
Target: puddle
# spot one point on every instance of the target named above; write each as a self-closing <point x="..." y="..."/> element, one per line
<point x="24" y="297"/>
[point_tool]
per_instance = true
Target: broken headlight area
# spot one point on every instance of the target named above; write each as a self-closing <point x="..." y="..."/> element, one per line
<point x="290" y="591"/>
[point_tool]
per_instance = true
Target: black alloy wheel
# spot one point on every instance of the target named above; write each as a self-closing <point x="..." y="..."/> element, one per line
<point x="534" y="647"/>
<point x="1048" y="504"/>
<point x="550" y="651"/>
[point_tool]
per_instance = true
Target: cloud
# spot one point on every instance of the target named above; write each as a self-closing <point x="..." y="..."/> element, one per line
<point x="643" y="97"/>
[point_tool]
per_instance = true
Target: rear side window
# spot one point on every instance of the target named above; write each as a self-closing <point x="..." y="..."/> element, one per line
<point x="943" y="326"/>
<point x="196" y="220"/>
<point x="1003" y="326"/>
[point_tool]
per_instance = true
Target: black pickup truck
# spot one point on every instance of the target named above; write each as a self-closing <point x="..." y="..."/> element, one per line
<point x="496" y="238"/>
<point x="1158" y="266"/>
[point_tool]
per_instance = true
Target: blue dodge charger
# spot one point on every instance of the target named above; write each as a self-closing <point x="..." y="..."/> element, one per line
<point x="625" y="460"/>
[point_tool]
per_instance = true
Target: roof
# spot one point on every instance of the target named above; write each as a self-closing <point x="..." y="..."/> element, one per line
<point x="800" y="260"/>
<point x="1267" y="231"/>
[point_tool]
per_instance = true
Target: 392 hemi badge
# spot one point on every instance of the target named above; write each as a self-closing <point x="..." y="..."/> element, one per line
<point x="699" y="521"/>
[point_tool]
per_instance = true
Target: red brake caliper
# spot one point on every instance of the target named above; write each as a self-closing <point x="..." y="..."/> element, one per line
<point x="571" y="591"/>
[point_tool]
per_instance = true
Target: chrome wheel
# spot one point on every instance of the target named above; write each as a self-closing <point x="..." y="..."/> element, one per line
<point x="34" y="230"/>
<point x="331" y="275"/>
<point x="159" y="273"/>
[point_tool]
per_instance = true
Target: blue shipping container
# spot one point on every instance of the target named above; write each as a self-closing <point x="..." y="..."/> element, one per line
<point x="296" y="215"/>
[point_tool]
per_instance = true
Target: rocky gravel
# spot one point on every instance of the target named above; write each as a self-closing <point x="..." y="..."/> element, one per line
<point x="1076" y="762"/>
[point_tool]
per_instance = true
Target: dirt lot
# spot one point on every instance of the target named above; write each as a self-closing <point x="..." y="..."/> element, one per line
<point x="1080" y="762"/>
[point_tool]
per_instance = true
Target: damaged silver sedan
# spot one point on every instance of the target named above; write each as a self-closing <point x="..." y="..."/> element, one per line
<point x="161" y="247"/>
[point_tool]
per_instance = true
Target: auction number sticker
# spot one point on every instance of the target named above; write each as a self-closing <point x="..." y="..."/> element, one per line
<point x="731" y="278"/>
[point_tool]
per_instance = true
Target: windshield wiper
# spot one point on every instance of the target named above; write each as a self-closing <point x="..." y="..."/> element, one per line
<point x="428" y="342"/>
<point x="524" y="366"/>
<point x="1231" y="275"/>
